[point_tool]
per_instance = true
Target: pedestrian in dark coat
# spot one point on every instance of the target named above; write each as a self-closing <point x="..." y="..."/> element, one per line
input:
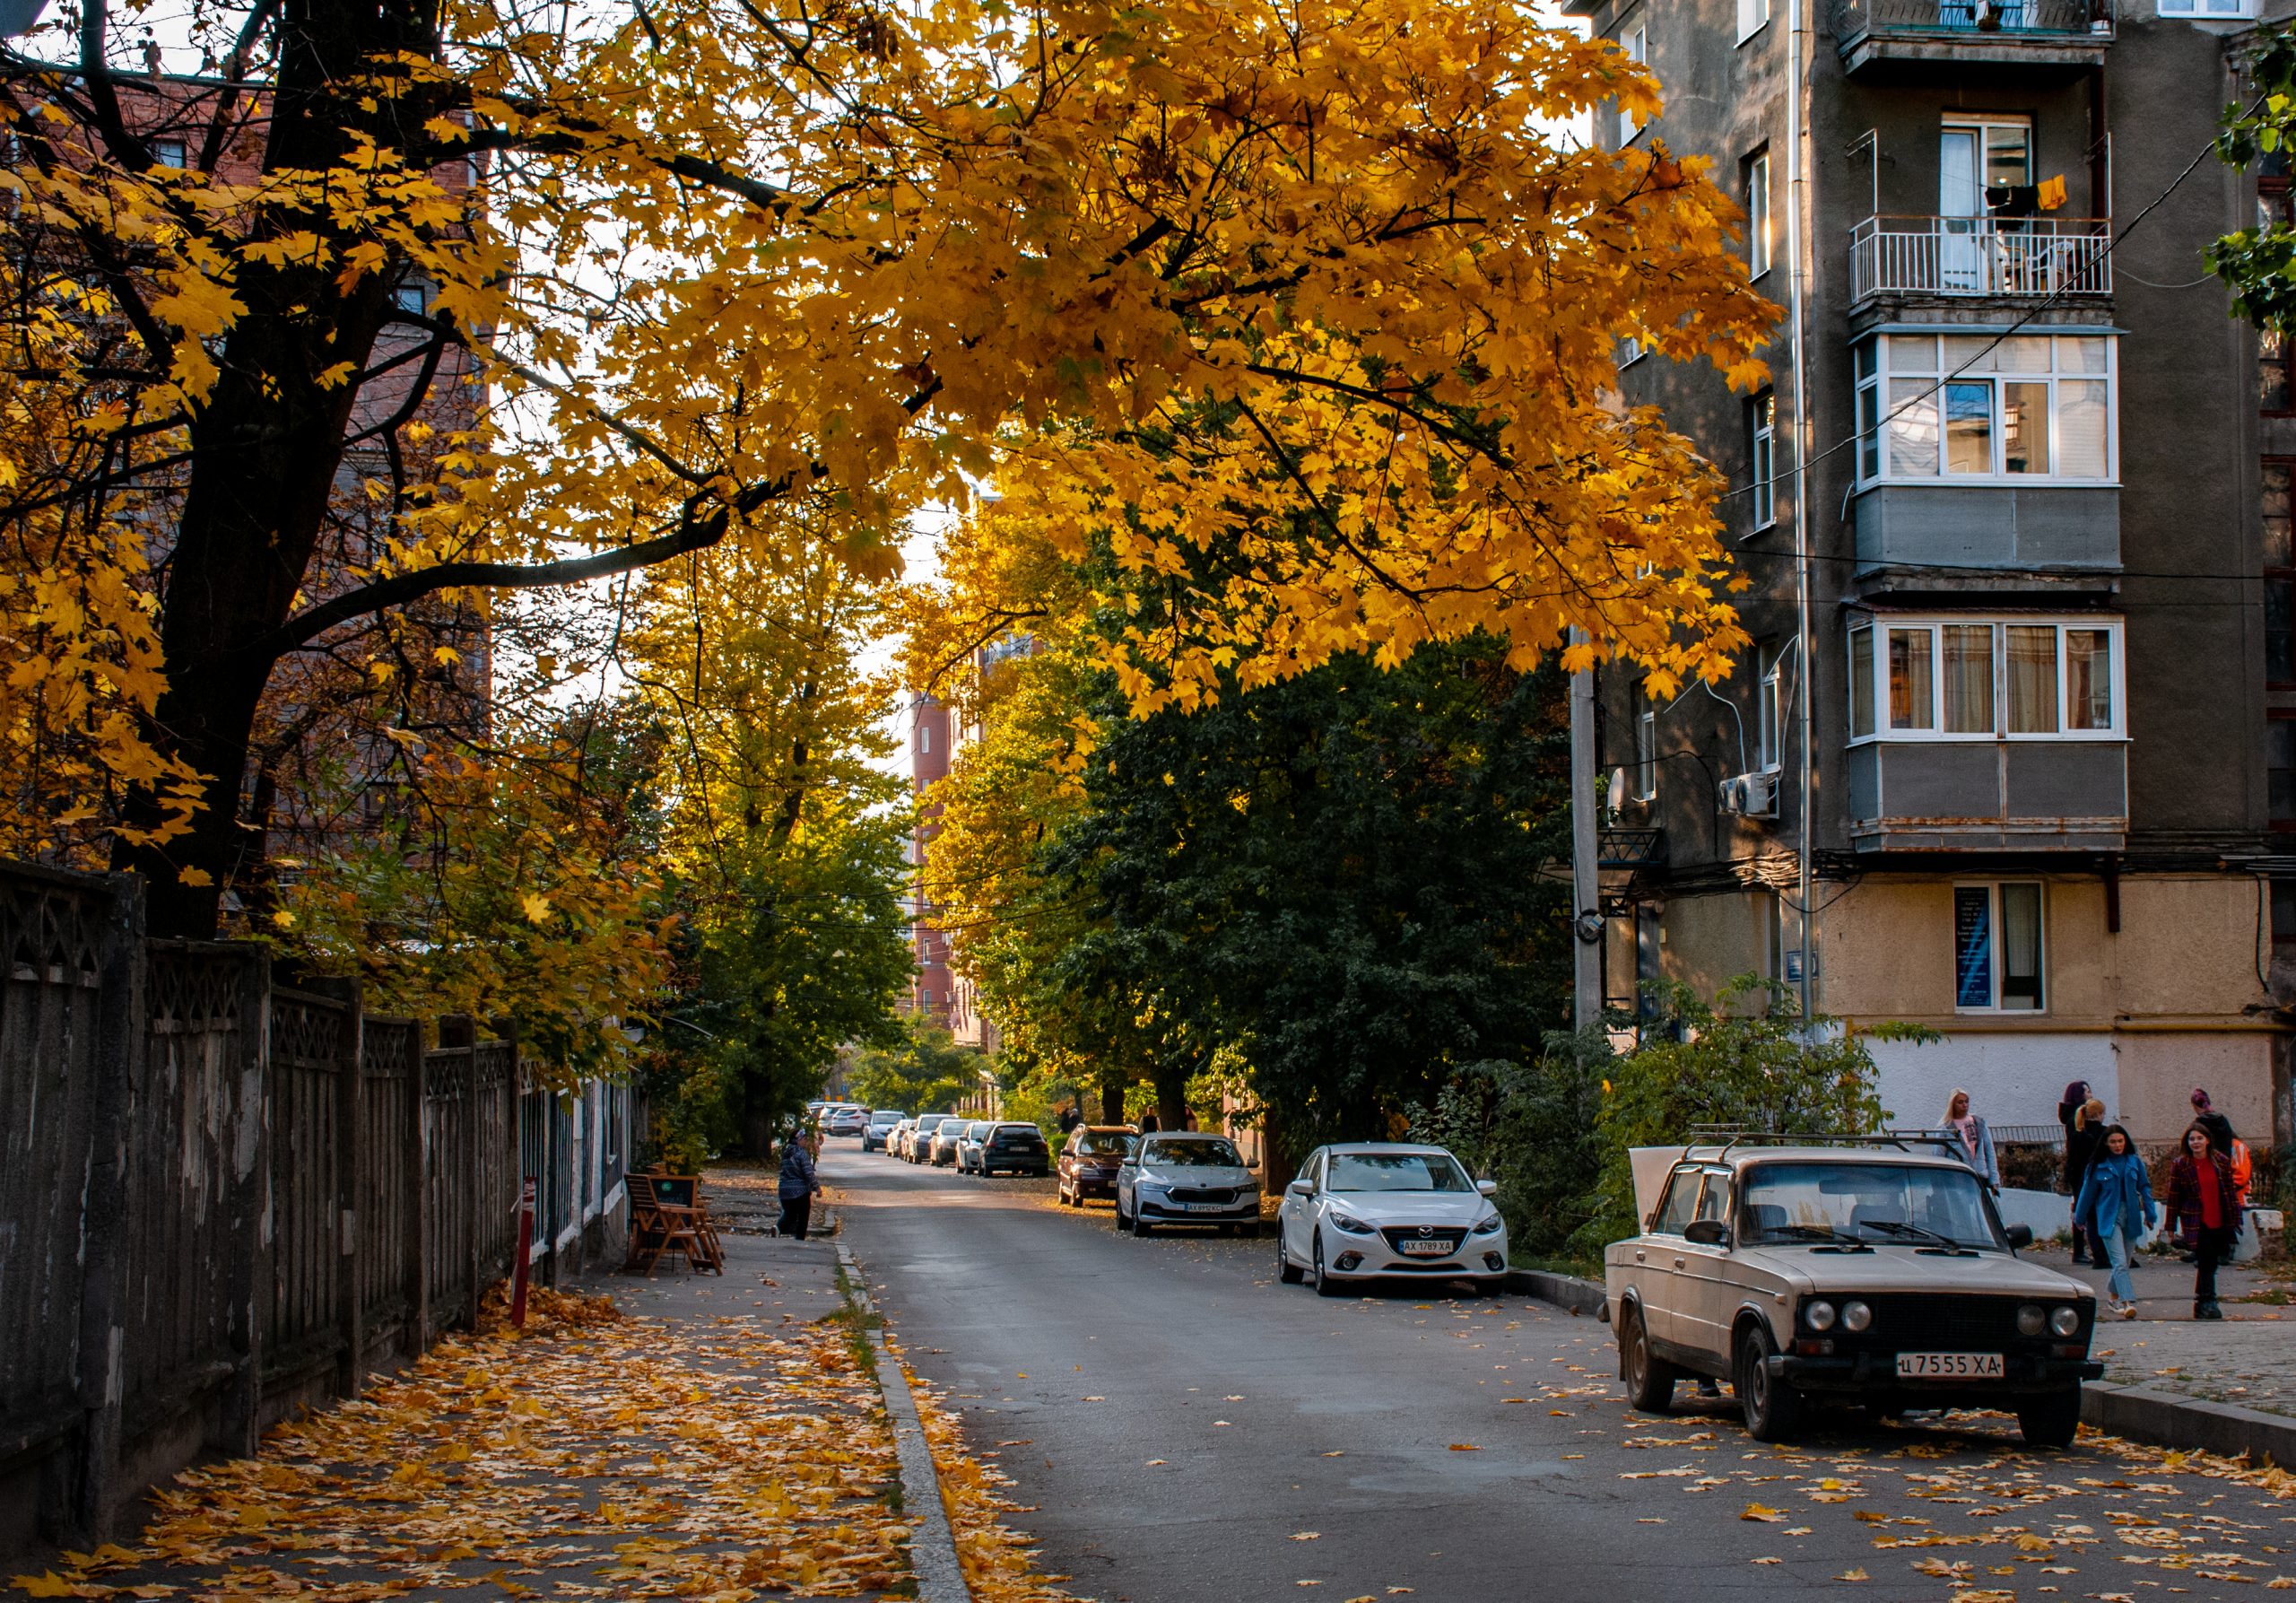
<point x="2085" y="1131"/>
<point x="2219" y="1127"/>
<point x="2205" y="1200"/>
<point x="798" y="1184"/>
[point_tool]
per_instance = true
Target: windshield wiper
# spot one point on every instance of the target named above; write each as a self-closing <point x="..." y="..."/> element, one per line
<point x="1900" y="1227"/>
<point x="1817" y="1233"/>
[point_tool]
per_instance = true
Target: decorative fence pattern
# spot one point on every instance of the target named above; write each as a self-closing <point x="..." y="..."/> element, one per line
<point x="224" y="1198"/>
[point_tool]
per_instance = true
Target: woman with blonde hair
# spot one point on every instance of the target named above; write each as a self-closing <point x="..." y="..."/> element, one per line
<point x="1975" y="1141"/>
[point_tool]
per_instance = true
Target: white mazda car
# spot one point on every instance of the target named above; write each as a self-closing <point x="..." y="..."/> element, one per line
<point x="1377" y="1210"/>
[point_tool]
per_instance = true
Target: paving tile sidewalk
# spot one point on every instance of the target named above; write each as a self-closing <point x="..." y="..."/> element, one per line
<point x="724" y="1444"/>
<point x="2249" y="1359"/>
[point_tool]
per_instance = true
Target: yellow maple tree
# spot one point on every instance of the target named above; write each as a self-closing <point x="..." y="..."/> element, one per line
<point x="1192" y="272"/>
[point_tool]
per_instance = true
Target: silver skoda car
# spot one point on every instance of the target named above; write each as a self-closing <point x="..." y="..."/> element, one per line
<point x="1379" y="1209"/>
<point x="1183" y="1178"/>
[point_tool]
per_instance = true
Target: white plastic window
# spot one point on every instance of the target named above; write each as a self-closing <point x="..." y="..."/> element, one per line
<point x="1974" y="407"/>
<point x="1963" y="678"/>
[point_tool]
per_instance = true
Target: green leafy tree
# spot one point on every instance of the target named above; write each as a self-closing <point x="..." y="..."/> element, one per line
<point x="2259" y="264"/>
<point x="920" y="1069"/>
<point x="1745" y="1060"/>
<point x="1532" y="1126"/>
<point x="1341" y="870"/>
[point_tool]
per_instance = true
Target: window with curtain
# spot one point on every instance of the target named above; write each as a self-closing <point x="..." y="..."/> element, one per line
<point x="1960" y="678"/>
<point x="1999" y="948"/>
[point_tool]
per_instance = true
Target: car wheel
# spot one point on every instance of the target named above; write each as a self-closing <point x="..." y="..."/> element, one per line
<point x="1649" y="1381"/>
<point x="1140" y="1225"/>
<point x="1773" y="1409"/>
<point x="1286" y="1271"/>
<point x="1324" y="1286"/>
<point x="1121" y="1222"/>
<point x="2051" y="1420"/>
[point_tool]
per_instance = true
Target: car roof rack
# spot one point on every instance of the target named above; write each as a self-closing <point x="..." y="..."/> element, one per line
<point x="1728" y="1136"/>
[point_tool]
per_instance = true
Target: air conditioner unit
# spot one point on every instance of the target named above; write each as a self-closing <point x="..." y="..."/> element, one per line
<point x="1750" y="795"/>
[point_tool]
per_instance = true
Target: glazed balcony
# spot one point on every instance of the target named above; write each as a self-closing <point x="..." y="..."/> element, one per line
<point x="2030" y="33"/>
<point x="1989" y="796"/>
<point x="2007" y="258"/>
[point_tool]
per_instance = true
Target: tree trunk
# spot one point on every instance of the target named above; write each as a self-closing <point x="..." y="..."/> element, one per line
<point x="266" y="448"/>
<point x="1112" y="1086"/>
<point x="1171" y="1101"/>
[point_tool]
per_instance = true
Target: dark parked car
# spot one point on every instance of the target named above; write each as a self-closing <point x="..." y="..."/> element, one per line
<point x="1089" y="1162"/>
<point x="1019" y="1148"/>
<point x="876" y="1135"/>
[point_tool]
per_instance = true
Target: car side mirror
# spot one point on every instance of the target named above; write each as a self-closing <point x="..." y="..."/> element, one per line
<point x="2019" y="1235"/>
<point x="1299" y="1187"/>
<point x="1707" y="1232"/>
<point x="1487" y="1187"/>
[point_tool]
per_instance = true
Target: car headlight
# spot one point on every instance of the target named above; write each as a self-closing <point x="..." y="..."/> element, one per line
<point x="1352" y="1224"/>
<point x="1489" y="1225"/>
<point x="2031" y="1320"/>
<point x="1856" y="1316"/>
<point x="2066" y="1320"/>
<point x="1818" y="1315"/>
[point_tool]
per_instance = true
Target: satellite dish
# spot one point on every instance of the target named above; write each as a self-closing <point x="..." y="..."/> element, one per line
<point x="20" y="16"/>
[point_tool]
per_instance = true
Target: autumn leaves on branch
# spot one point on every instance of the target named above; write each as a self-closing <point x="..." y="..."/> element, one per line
<point x="1296" y="326"/>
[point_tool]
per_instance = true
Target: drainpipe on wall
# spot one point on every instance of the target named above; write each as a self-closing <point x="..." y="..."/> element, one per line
<point x="1797" y="254"/>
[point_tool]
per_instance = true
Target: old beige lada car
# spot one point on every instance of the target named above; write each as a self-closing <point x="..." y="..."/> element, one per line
<point x="1874" y="1274"/>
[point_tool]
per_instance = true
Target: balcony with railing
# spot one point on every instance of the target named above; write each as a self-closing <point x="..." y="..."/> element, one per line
<point x="2006" y="257"/>
<point x="2066" y="33"/>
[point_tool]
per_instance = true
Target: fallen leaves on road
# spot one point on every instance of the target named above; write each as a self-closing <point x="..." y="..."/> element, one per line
<point x="999" y="1563"/>
<point x="1767" y="1516"/>
<point x="1465" y="1447"/>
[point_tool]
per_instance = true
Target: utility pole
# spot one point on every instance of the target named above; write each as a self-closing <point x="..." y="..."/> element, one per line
<point x="1585" y="890"/>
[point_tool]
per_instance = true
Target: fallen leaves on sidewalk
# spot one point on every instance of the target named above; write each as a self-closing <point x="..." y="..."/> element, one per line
<point x="591" y="1455"/>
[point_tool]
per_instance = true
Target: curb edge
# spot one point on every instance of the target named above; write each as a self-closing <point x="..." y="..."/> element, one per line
<point x="933" y="1549"/>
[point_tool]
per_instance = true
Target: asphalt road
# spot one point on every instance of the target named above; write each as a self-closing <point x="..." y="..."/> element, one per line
<point x="1183" y="1429"/>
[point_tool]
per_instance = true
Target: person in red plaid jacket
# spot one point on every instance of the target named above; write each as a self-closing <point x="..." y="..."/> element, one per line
<point x="2205" y="1200"/>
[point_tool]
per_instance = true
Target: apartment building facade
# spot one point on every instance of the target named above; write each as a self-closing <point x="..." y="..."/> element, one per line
<point x="2013" y="754"/>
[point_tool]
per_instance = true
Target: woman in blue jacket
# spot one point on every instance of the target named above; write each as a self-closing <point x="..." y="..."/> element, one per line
<point x="2116" y="1207"/>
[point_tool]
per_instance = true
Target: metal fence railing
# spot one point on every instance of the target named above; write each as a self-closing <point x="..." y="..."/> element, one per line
<point x="2012" y="257"/>
<point x="1854" y="19"/>
<point x="182" y="1142"/>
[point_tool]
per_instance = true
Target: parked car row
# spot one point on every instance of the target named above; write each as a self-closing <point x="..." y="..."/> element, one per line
<point x="969" y="1145"/>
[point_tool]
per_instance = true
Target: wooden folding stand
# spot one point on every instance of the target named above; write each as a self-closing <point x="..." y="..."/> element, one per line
<point x="668" y="1215"/>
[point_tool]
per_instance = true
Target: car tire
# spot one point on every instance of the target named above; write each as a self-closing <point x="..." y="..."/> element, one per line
<point x="2052" y="1420"/>
<point x="1141" y="1228"/>
<point x="1122" y="1224"/>
<point x="1649" y="1379"/>
<point x="1287" y="1272"/>
<point x="1772" y="1407"/>
<point x="1324" y="1286"/>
